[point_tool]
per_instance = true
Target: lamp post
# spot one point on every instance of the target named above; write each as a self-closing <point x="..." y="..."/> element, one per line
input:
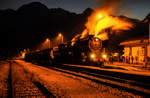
<point x="61" y="37"/>
<point x="48" y="42"/>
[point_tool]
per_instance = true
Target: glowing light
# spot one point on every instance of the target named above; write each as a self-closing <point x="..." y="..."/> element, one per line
<point x="116" y="54"/>
<point x="60" y="35"/>
<point x="99" y="16"/>
<point x="96" y="39"/>
<point x="47" y="40"/>
<point x="23" y="54"/>
<point x="104" y="56"/>
<point x="92" y="56"/>
<point x="46" y="44"/>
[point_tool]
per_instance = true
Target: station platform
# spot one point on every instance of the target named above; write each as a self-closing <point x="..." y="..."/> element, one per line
<point x="139" y="66"/>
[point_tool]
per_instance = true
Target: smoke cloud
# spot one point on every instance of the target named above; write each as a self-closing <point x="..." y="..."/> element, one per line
<point x="108" y="5"/>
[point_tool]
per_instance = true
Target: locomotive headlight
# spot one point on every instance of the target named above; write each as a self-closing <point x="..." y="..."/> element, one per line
<point x="97" y="39"/>
<point x="92" y="56"/>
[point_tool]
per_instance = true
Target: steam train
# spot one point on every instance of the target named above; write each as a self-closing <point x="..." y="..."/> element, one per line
<point x="84" y="51"/>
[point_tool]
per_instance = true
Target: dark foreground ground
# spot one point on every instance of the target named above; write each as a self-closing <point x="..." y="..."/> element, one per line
<point x="23" y="79"/>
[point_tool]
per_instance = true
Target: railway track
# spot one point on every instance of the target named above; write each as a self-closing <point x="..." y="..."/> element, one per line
<point x="4" y="81"/>
<point x="17" y="83"/>
<point x="22" y="79"/>
<point x="66" y="83"/>
<point x="136" y="84"/>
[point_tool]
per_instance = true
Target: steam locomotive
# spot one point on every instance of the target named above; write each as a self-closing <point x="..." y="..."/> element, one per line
<point x="84" y="51"/>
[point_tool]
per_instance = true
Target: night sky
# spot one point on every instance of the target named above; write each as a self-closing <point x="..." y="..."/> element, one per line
<point x="131" y="8"/>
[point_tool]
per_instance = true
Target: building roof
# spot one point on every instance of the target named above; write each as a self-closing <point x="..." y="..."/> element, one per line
<point x="136" y="42"/>
<point x="147" y="19"/>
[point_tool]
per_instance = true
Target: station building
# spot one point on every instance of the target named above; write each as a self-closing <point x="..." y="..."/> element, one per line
<point x="137" y="51"/>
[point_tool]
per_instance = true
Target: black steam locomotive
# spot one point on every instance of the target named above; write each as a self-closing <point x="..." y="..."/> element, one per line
<point x="83" y="51"/>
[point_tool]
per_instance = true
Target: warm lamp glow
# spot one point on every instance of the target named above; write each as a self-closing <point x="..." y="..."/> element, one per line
<point x="104" y="56"/>
<point x="92" y="56"/>
<point x="23" y="54"/>
<point x="47" y="39"/>
<point x="99" y="16"/>
<point x="59" y="34"/>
